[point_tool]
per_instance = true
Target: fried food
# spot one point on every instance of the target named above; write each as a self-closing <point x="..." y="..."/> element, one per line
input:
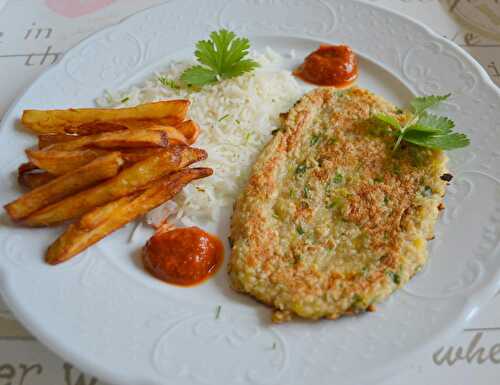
<point x="102" y="221"/>
<point x="128" y="181"/>
<point x="78" y="121"/>
<point x="47" y="140"/>
<point x="61" y="162"/>
<point x="190" y="130"/>
<point x="173" y="134"/>
<point x="332" y="220"/>
<point x="77" y="180"/>
<point x="134" y="155"/>
<point x="35" y="179"/>
<point x="114" y="139"/>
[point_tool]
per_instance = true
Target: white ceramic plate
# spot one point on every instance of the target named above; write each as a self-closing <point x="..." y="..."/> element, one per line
<point x="105" y="314"/>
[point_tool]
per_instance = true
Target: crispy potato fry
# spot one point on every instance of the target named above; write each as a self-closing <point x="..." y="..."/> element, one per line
<point x="26" y="167"/>
<point x="98" y="127"/>
<point x="33" y="180"/>
<point x="129" y="181"/>
<point x="173" y="134"/>
<point x="68" y="121"/>
<point x="190" y="130"/>
<point x="114" y="139"/>
<point x="77" y="180"/>
<point x="47" y="140"/>
<point x="30" y="176"/>
<point x="175" y="130"/>
<point x="62" y="162"/>
<point x="100" y="222"/>
<point x="134" y="155"/>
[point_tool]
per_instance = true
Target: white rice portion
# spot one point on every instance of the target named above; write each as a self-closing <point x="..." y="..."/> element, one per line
<point x="236" y="117"/>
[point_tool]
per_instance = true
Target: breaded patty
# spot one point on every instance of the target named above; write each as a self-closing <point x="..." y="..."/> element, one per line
<point x="332" y="220"/>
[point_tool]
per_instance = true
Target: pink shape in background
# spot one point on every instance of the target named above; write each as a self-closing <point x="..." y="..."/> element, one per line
<point x="76" y="8"/>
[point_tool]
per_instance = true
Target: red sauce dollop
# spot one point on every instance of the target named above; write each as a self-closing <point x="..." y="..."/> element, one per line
<point x="183" y="256"/>
<point x="329" y="65"/>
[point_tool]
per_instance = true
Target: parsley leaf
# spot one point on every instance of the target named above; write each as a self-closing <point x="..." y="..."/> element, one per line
<point x="387" y="119"/>
<point x="198" y="76"/>
<point x="421" y="103"/>
<point x="221" y="57"/>
<point x="448" y="141"/>
<point x="424" y="129"/>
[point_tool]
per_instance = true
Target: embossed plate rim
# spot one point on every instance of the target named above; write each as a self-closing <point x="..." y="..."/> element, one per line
<point x="114" y="374"/>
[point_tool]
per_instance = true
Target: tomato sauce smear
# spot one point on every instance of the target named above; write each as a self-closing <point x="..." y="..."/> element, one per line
<point x="183" y="256"/>
<point x="329" y="65"/>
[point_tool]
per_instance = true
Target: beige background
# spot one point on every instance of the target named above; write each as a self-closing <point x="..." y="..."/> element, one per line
<point x="473" y="24"/>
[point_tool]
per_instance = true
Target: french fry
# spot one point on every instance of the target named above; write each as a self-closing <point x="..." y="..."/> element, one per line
<point x="62" y="162"/>
<point x="47" y="140"/>
<point x="164" y="125"/>
<point x="100" y="222"/>
<point x="175" y="130"/>
<point x="134" y="155"/>
<point x="99" y="127"/>
<point x="114" y="139"/>
<point x="173" y="134"/>
<point x="128" y="181"/>
<point x="30" y="176"/>
<point x="26" y="167"/>
<point x="33" y="180"/>
<point x="190" y="130"/>
<point x="77" y="180"/>
<point x="68" y="121"/>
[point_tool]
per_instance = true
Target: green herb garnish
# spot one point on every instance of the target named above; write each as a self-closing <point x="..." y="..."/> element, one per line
<point x="395" y="277"/>
<point x="217" y="311"/>
<point x="338" y="178"/>
<point x="424" y="129"/>
<point x="125" y="99"/>
<point x="301" y="168"/>
<point x="306" y="192"/>
<point x="168" y="83"/>
<point x="427" y="192"/>
<point x="224" y="117"/>
<point x="300" y="230"/>
<point x="314" y="139"/>
<point x="221" y="57"/>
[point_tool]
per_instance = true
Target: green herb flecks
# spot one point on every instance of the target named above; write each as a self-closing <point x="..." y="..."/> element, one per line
<point x="306" y="192"/>
<point x="427" y="192"/>
<point x="394" y="277"/>
<point x="168" y="83"/>
<point x="221" y="57"/>
<point x="424" y="129"/>
<point x="224" y="117"/>
<point x="314" y="139"/>
<point x="301" y="169"/>
<point x="217" y="311"/>
<point x="125" y="99"/>
<point x="300" y="230"/>
<point x="338" y="178"/>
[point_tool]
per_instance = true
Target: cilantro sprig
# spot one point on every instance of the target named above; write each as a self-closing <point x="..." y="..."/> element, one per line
<point x="425" y="129"/>
<point x="221" y="57"/>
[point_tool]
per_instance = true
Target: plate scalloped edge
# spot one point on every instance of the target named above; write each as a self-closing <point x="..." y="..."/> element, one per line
<point x="470" y="75"/>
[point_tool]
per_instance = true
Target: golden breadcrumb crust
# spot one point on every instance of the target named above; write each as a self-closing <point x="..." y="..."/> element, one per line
<point x="332" y="220"/>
